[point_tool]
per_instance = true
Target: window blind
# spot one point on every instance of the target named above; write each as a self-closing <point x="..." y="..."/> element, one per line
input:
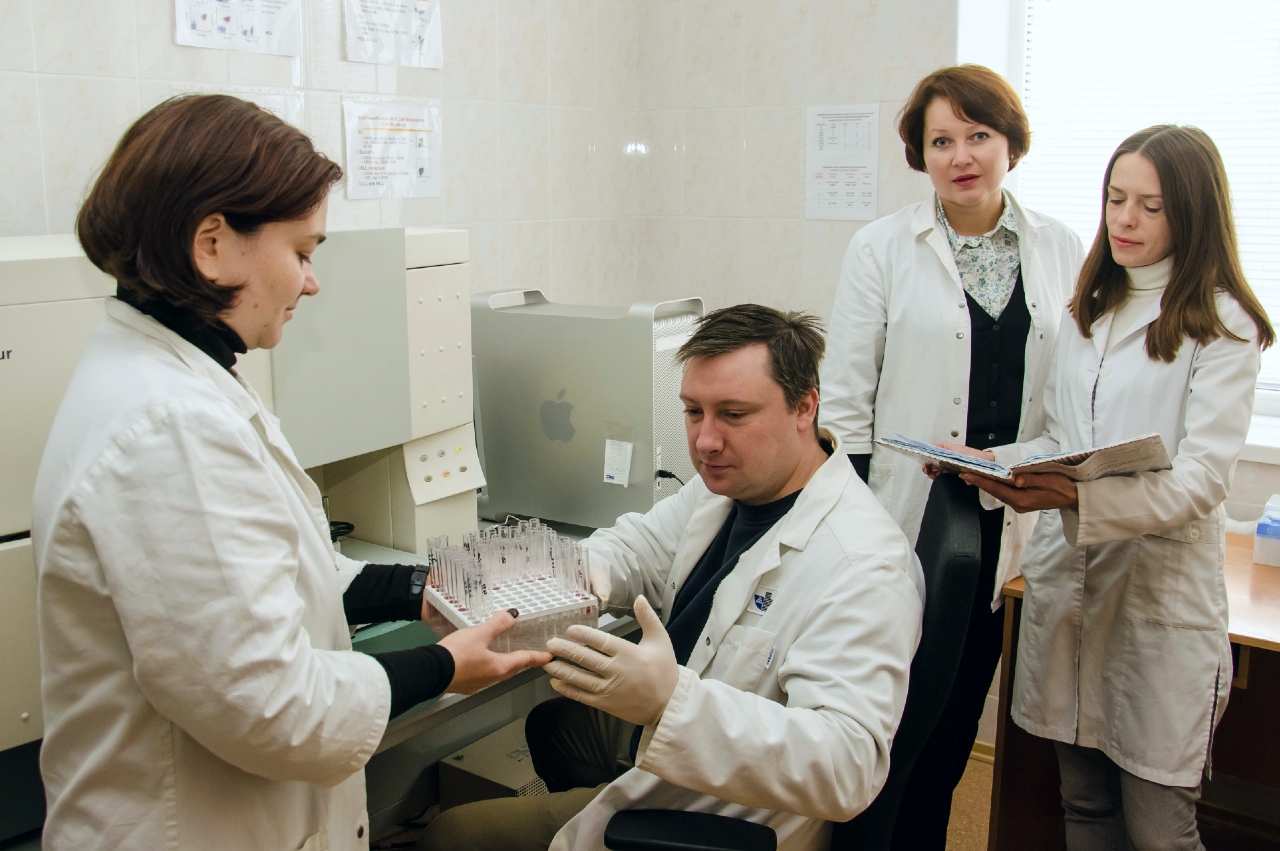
<point x="1096" y="71"/>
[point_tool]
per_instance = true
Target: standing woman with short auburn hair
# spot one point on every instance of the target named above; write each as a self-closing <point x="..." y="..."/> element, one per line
<point x="199" y="686"/>
<point x="944" y="321"/>
<point x="1123" y="659"/>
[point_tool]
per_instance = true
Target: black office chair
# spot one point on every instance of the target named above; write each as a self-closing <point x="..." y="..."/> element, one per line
<point x="950" y="553"/>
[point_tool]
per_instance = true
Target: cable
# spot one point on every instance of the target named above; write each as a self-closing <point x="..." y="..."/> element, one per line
<point x="667" y="474"/>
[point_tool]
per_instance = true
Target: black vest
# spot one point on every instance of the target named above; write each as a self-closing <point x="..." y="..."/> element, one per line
<point x="997" y="355"/>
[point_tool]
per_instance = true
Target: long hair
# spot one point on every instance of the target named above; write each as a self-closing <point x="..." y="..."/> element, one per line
<point x="1206" y="257"/>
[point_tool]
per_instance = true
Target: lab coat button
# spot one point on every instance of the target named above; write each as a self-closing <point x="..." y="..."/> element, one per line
<point x="955" y="433"/>
<point x="673" y="585"/>
<point x="360" y="832"/>
<point x="708" y="641"/>
<point x="956" y="400"/>
<point x="959" y="335"/>
<point x="1194" y="533"/>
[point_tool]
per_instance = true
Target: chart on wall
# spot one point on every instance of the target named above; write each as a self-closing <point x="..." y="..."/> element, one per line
<point x="258" y="26"/>
<point x="841" y="164"/>
<point x="393" y="149"/>
<point x="394" y="32"/>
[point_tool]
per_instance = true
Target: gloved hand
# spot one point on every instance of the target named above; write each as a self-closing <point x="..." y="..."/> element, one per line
<point x="629" y="681"/>
<point x="601" y="584"/>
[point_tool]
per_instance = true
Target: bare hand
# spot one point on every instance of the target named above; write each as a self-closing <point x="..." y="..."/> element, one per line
<point x="933" y="471"/>
<point x="475" y="666"/>
<point x="1029" y="491"/>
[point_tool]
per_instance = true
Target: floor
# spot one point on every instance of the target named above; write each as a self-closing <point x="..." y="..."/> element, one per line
<point x="971" y="808"/>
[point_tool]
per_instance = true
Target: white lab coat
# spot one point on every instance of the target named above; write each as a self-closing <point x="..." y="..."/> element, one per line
<point x="198" y="681"/>
<point x="1124" y="625"/>
<point x="786" y="710"/>
<point x="898" y="351"/>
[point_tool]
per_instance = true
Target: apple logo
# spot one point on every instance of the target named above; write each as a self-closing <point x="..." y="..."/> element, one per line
<point x="555" y="419"/>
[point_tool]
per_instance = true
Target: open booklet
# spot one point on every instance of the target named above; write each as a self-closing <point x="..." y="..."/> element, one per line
<point x="1136" y="455"/>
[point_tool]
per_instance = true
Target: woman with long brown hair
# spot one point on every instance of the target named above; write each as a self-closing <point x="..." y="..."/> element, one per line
<point x="1123" y="659"/>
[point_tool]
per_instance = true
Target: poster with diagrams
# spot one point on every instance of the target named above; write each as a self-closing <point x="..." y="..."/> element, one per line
<point x="287" y="104"/>
<point x="394" y="32"/>
<point x="841" y="166"/>
<point x="393" y="149"/>
<point x="258" y="26"/>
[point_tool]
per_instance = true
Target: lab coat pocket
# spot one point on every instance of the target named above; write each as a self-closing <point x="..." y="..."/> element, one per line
<point x="880" y="479"/>
<point x="319" y="842"/>
<point x="1174" y="576"/>
<point x="746" y="651"/>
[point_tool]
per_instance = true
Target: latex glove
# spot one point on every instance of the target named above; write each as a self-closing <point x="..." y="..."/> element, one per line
<point x="629" y="681"/>
<point x="601" y="584"/>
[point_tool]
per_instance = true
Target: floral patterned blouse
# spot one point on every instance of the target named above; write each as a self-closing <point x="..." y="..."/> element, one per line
<point x="988" y="264"/>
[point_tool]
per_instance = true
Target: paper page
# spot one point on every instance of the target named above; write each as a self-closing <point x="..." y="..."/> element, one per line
<point x="394" y="32"/>
<point x="1138" y="455"/>
<point x="841" y="165"/>
<point x="257" y="26"/>
<point x="443" y="464"/>
<point x="617" y="462"/>
<point x="949" y="461"/>
<point x="286" y="104"/>
<point x="393" y="149"/>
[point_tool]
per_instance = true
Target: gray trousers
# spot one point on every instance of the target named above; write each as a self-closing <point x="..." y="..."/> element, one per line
<point x="1109" y="809"/>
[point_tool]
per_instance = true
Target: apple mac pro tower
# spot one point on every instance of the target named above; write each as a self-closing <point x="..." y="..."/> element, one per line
<point x="578" y="407"/>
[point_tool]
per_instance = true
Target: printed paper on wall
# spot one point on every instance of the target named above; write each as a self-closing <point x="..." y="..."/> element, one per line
<point x="258" y="26"/>
<point x="841" y="165"/>
<point x="394" y="32"/>
<point x="393" y="149"/>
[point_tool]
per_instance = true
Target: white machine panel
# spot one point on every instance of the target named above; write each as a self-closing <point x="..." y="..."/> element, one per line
<point x="40" y="345"/>
<point x="439" y="317"/>
<point x="21" y="720"/>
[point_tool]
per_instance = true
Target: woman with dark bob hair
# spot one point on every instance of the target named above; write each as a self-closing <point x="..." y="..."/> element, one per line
<point x="200" y="690"/>
<point x="944" y="321"/>
<point x="1123" y="660"/>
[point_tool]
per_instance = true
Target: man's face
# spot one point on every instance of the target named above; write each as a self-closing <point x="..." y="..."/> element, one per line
<point x="743" y="440"/>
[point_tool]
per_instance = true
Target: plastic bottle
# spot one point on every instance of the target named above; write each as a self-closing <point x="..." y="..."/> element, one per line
<point x="1266" y="541"/>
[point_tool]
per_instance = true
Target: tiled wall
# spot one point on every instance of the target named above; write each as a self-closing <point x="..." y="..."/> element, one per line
<point x="603" y="150"/>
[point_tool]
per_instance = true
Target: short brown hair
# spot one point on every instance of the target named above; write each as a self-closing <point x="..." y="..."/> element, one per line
<point x="186" y="159"/>
<point x="1206" y="259"/>
<point x="794" y="340"/>
<point x="975" y="92"/>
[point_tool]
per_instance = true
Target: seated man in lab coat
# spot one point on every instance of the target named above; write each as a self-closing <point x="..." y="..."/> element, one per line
<point x="772" y="684"/>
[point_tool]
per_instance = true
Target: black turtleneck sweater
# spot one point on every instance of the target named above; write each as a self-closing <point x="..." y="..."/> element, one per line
<point x="380" y="592"/>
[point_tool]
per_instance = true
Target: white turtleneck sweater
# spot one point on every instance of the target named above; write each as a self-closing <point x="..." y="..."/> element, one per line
<point x="1146" y="286"/>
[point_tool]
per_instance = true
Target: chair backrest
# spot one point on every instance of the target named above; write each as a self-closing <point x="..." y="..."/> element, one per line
<point x="678" y="830"/>
<point x="950" y="551"/>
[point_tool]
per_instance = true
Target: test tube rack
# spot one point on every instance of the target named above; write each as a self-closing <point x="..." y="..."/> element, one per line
<point x="527" y="567"/>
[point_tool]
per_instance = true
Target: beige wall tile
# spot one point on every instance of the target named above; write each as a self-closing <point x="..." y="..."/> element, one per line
<point x="929" y="27"/>
<point x="616" y="250"/>
<point x="773" y="162"/>
<point x="522" y="50"/>
<point x="845" y="52"/>
<point x="345" y="213"/>
<point x="617" y="163"/>
<point x="772" y="263"/>
<point x="411" y="212"/>
<point x="263" y="69"/>
<point x="713" y="53"/>
<point x="17" y="36"/>
<point x="81" y="119"/>
<point x="713" y="162"/>
<point x="160" y="58"/>
<point x="711" y="252"/>
<point x="574" y="193"/>
<point x="324" y="124"/>
<point x="419" y="82"/>
<point x="90" y="37"/>
<point x="618" y="54"/>
<point x="660" y="269"/>
<point x="526" y="256"/>
<point x="523" y="143"/>
<point x="471" y="166"/>
<point x="486" y="256"/>
<point x="660" y="170"/>
<point x="574" y="261"/>
<point x="573" y="72"/>
<point x="778" y="52"/>
<point x="824" y="247"/>
<point x="470" y="49"/>
<point x="22" y="208"/>
<point x="323" y="55"/>
<point x="660" y="79"/>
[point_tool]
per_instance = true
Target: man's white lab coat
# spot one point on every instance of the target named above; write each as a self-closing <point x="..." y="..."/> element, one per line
<point x="898" y="351"/>
<point x="199" y="685"/>
<point x="786" y="710"/>
<point x="1124" y="623"/>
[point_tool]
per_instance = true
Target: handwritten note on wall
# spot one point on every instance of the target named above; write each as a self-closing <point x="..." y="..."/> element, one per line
<point x="394" y="32"/>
